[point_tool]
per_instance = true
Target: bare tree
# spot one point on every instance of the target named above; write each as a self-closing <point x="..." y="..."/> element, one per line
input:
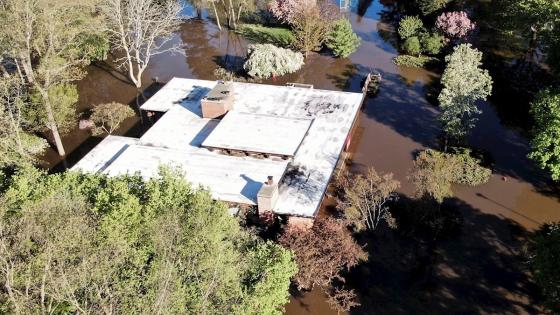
<point x="141" y="29"/>
<point x="365" y="199"/>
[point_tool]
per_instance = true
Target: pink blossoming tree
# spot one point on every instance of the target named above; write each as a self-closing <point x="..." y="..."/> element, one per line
<point x="286" y="10"/>
<point x="455" y="24"/>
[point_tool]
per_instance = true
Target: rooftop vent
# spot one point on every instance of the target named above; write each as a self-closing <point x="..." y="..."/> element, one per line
<point x="218" y="101"/>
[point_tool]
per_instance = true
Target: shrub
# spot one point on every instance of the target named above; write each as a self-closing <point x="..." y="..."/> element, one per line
<point x="432" y="43"/>
<point x="428" y="7"/>
<point x="413" y="61"/>
<point x="410" y="26"/>
<point x="545" y="255"/>
<point x="266" y="60"/>
<point x="342" y="39"/>
<point x="108" y="117"/>
<point x="455" y="24"/>
<point x="412" y="46"/>
<point x="468" y="170"/>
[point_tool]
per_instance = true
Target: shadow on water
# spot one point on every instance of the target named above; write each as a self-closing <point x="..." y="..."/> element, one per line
<point x="472" y="269"/>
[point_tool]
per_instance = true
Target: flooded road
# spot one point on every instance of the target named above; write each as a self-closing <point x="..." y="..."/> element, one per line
<point x="480" y="270"/>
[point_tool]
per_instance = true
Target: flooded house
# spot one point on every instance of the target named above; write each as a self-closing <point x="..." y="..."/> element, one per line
<point x="273" y="147"/>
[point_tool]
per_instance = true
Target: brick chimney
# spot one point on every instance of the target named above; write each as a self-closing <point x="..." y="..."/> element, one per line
<point x="267" y="196"/>
<point x="218" y="101"/>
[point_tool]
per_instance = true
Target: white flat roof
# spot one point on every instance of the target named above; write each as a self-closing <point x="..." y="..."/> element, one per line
<point x="99" y="158"/>
<point x="259" y="133"/>
<point x="179" y="133"/>
<point x="229" y="178"/>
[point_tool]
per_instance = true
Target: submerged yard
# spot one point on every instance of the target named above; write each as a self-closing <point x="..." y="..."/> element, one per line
<point x="478" y="267"/>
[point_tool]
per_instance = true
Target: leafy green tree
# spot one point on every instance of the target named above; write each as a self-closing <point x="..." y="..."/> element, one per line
<point x="428" y="7"/>
<point x="545" y="254"/>
<point x="545" y="144"/>
<point x="435" y="171"/>
<point x="410" y="26"/>
<point x="87" y="243"/>
<point x="432" y="43"/>
<point x="342" y="39"/>
<point x="62" y="99"/>
<point x="17" y="144"/>
<point x="464" y="83"/>
<point x="412" y="46"/>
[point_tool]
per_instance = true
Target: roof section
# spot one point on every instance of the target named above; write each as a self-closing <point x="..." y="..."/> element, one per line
<point x="259" y="133"/>
<point x="229" y="178"/>
<point x="104" y="154"/>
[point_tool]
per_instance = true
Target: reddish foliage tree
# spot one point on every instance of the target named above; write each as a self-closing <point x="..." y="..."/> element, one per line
<point x="322" y="252"/>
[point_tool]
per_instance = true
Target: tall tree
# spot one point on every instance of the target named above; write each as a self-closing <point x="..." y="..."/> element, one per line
<point x="464" y="83"/>
<point x="545" y="110"/>
<point x="17" y="145"/>
<point x="45" y="38"/>
<point x="141" y="29"/>
<point x="75" y="243"/>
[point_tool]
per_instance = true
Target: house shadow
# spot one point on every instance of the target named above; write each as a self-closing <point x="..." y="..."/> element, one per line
<point x="251" y="188"/>
<point x="476" y="266"/>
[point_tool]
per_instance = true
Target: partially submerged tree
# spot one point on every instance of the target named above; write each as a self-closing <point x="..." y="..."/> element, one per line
<point x="428" y="7"/>
<point x="17" y="144"/>
<point x="545" y="144"/>
<point x="139" y="30"/>
<point x="266" y="60"/>
<point x="434" y="172"/>
<point x="464" y="84"/>
<point x="341" y="39"/>
<point x="410" y="26"/>
<point x="322" y="253"/>
<point x="45" y="42"/>
<point x="366" y="198"/>
<point x="455" y="24"/>
<point x="108" y="117"/>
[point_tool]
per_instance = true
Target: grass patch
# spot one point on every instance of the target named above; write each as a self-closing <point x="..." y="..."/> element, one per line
<point x="277" y="36"/>
<point x="413" y="61"/>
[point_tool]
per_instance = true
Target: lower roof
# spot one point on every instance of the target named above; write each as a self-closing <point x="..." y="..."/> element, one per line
<point x="229" y="178"/>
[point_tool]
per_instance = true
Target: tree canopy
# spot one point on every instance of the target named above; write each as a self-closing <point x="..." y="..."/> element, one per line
<point x="545" y="110"/>
<point x="464" y="83"/>
<point x="72" y="242"/>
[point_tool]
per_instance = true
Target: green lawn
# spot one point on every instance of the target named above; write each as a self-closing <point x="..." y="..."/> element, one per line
<point x="277" y="36"/>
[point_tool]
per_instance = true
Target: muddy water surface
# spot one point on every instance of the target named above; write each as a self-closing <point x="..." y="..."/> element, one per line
<point x="478" y="271"/>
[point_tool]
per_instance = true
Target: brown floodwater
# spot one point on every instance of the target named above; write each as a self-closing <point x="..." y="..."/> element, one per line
<point x="480" y="270"/>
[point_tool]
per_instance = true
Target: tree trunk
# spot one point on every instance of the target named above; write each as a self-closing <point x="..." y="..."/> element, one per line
<point x="216" y="14"/>
<point x="27" y="69"/>
<point x="233" y="24"/>
<point x="52" y="122"/>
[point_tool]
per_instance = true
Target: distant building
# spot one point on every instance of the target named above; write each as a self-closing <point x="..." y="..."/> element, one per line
<point x="275" y="147"/>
